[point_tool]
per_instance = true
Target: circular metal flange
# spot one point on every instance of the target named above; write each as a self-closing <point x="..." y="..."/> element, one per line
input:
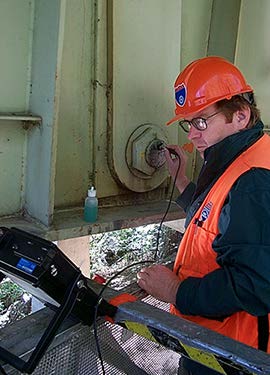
<point x="145" y="158"/>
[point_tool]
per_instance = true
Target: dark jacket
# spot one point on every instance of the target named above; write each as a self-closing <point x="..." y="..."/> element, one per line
<point x="243" y="245"/>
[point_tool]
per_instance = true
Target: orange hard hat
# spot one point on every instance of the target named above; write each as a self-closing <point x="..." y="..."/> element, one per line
<point x="204" y="82"/>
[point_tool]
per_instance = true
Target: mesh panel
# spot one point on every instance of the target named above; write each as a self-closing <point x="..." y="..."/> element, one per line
<point x="123" y="353"/>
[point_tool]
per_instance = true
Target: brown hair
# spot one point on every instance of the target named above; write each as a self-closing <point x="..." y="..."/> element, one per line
<point x="238" y="102"/>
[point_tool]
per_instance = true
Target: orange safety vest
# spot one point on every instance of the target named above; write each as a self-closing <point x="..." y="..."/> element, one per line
<point x="195" y="256"/>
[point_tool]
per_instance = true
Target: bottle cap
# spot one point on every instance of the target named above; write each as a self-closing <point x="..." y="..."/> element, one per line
<point x="92" y="192"/>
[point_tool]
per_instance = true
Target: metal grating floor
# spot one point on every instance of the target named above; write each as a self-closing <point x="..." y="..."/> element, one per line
<point x="123" y="352"/>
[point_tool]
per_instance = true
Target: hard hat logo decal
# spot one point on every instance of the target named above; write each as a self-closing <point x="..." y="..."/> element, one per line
<point x="180" y="94"/>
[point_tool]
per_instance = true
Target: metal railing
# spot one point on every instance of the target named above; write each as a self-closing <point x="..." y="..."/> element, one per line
<point x="145" y="339"/>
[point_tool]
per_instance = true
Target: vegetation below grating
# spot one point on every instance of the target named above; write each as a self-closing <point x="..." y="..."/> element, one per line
<point x="110" y="252"/>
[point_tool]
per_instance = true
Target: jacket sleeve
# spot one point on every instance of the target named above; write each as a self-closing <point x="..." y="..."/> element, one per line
<point x="243" y="253"/>
<point x="185" y="198"/>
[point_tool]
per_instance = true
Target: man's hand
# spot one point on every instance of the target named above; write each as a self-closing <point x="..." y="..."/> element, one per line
<point x="160" y="282"/>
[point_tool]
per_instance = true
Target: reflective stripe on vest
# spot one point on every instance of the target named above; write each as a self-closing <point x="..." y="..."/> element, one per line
<point x="195" y="255"/>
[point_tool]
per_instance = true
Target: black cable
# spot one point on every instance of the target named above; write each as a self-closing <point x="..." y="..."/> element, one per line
<point x="129" y="266"/>
<point x="168" y="207"/>
<point x="99" y="301"/>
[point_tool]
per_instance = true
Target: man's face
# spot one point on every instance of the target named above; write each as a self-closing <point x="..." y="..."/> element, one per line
<point x="217" y="128"/>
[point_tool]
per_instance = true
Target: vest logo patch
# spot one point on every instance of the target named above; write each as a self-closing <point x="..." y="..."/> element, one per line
<point x="206" y="211"/>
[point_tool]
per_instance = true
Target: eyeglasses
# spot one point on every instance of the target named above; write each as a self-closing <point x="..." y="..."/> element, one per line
<point x="199" y="123"/>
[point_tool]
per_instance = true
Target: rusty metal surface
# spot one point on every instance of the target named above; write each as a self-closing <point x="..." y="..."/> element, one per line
<point x="138" y="98"/>
<point x="191" y="334"/>
<point x="70" y="224"/>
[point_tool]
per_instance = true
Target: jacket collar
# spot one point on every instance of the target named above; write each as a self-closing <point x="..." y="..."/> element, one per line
<point x="219" y="156"/>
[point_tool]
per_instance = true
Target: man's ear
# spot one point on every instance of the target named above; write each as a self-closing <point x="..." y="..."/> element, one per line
<point x="242" y="118"/>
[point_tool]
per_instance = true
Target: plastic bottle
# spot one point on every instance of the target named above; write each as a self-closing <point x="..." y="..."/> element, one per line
<point x="91" y="206"/>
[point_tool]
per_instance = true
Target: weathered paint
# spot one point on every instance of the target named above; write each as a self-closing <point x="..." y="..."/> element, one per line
<point x="253" y="50"/>
<point x="12" y="165"/>
<point x="144" y="49"/>
<point x="69" y="223"/>
<point x="44" y="98"/>
<point x="62" y="47"/>
<point x="15" y="46"/>
<point x="224" y="28"/>
<point x="74" y="161"/>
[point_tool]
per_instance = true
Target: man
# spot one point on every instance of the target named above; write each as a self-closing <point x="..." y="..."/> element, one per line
<point x="221" y="276"/>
